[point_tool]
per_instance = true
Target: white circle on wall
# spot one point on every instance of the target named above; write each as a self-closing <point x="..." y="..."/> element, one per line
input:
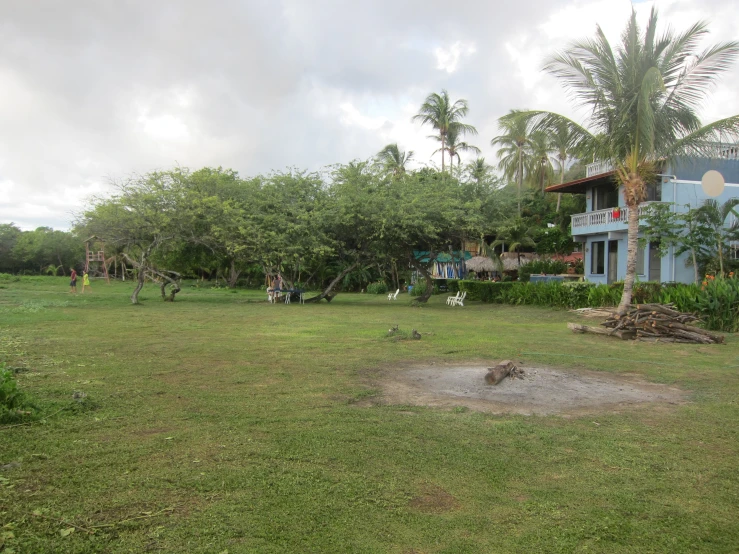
<point x="713" y="183"/>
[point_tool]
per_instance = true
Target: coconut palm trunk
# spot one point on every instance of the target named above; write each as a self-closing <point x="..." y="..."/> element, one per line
<point x="633" y="195"/>
<point x="520" y="178"/>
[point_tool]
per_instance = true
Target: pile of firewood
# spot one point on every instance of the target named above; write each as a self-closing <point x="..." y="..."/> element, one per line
<point x="653" y="322"/>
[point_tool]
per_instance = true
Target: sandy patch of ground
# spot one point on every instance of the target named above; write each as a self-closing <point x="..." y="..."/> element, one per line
<point x="543" y="391"/>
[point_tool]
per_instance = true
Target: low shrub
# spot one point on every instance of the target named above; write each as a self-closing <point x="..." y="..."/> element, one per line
<point x="378" y="287"/>
<point x="485" y="291"/>
<point x="452" y="285"/>
<point x="420" y="288"/>
<point x="717" y="301"/>
<point x="535" y="267"/>
<point x="14" y="404"/>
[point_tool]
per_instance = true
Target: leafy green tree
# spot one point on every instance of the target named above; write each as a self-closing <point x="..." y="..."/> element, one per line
<point x="44" y="247"/>
<point x="144" y="219"/>
<point x="430" y="213"/>
<point x="9" y="235"/>
<point x="441" y="113"/>
<point x="393" y="160"/>
<point x="642" y="98"/>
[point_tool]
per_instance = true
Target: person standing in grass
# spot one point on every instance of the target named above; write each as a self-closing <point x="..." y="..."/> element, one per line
<point x="86" y="283"/>
<point x="73" y="281"/>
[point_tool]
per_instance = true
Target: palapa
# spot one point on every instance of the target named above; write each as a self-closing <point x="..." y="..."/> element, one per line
<point x="480" y="264"/>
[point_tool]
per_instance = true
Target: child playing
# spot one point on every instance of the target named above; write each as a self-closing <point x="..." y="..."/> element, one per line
<point x="86" y="282"/>
<point x="73" y="281"/>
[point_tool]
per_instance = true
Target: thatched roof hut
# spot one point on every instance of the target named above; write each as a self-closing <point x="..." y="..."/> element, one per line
<point x="510" y="259"/>
<point x="480" y="264"/>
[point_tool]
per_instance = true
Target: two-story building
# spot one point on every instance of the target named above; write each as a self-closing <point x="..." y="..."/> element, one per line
<point x="602" y="229"/>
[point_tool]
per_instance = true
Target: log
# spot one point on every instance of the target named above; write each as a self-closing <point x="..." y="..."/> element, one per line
<point x="623" y="335"/>
<point x="496" y="374"/>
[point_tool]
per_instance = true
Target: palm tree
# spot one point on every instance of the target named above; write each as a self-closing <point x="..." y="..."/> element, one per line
<point x="642" y="97"/>
<point x="513" y="145"/>
<point x="439" y="112"/>
<point x="540" y="168"/>
<point x="714" y="215"/>
<point x="516" y="235"/>
<point x="563" y="141"/>
<point x="479" y="171"/>
<point x="454" y="145"/>
<point x="393" y="159"/>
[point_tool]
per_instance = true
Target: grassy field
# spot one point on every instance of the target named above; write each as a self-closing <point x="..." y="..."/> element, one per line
<point x="221" y="423"/>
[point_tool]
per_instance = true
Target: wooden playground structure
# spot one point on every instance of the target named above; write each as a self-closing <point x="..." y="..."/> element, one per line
<point x="95" y="259"/>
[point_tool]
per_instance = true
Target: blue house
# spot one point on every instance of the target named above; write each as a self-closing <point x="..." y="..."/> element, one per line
<point x="602" y="229"/>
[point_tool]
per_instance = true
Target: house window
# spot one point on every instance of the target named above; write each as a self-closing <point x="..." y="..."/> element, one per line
<point x="654" y="192"/>
<point x="640" y="260"/>
<point x="605" y="197"/>
<point x="735" y="251"/>
<point x="598" y="257"/>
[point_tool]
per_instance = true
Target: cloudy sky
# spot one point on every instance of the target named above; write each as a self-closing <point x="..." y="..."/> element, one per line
<point x="93" y="91"/>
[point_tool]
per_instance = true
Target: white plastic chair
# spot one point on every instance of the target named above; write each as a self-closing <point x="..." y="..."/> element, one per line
<point x="451" y="299"/>
<point x="393" y="296"/>
<point x="459" y="301"/>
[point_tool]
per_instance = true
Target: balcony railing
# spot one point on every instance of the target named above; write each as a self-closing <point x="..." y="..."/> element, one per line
<point x="597" y="168"/>
<point x="606" y="217"/>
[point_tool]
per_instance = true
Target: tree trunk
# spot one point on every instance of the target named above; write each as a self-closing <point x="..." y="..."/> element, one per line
<point x="442" y="151"/>
<point x="327" y="292"/>
<point x="139" y="286"/>
<point x="695" y="265"/>
<point x="233" y="275"/>
<point x="427" y="276"/>
<point x="61" y="264"/>
<point x="631" y="250"/>
<point x="520" y="179"/>
<point x="561" y="180"/>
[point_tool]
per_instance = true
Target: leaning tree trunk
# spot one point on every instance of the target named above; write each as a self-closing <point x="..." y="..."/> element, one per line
<point x="327" y="292"/>
<point x="427" y="276"/>
<point x="233" y="275"/>
<point x="631" y="250"/>
<point x="139" y="285"/>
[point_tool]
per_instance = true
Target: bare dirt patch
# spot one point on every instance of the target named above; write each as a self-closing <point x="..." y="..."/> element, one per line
<point x="543" y="391"/>
<point x="434" y="500"/>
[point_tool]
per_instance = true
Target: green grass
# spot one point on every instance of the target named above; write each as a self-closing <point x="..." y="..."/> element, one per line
<point x="223" y="423"/>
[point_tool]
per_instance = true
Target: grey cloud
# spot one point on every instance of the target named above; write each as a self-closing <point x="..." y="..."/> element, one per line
<point x="257" y="84"/>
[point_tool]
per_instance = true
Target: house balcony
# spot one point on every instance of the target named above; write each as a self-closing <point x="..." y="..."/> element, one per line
<point x="602" y="221"/>
<point x="597" y="168"/>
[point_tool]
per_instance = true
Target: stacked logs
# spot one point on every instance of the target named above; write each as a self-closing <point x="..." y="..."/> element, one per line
<point x="653" y="322"/>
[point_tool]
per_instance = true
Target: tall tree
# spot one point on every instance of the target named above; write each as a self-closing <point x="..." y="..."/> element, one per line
<point x="714" y="216"/>
<point x="441" y="113"/>
<point x="479" y="171"/>
<point x="540" y="168"/>
<point x="642" y="97"/>
<point x="513" y="147"/>
<point x="562" y="142"/>
<point x="455" y="145"/>
<point x="393" y="160"/>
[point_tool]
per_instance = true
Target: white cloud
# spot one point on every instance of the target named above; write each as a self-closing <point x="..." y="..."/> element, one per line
<point x="447" y="59"/>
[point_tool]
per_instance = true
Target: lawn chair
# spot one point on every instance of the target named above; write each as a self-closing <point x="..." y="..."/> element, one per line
<point x="458" y="301"/>
<point x="393" y="296"/>
<point x="451" y="299"/>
